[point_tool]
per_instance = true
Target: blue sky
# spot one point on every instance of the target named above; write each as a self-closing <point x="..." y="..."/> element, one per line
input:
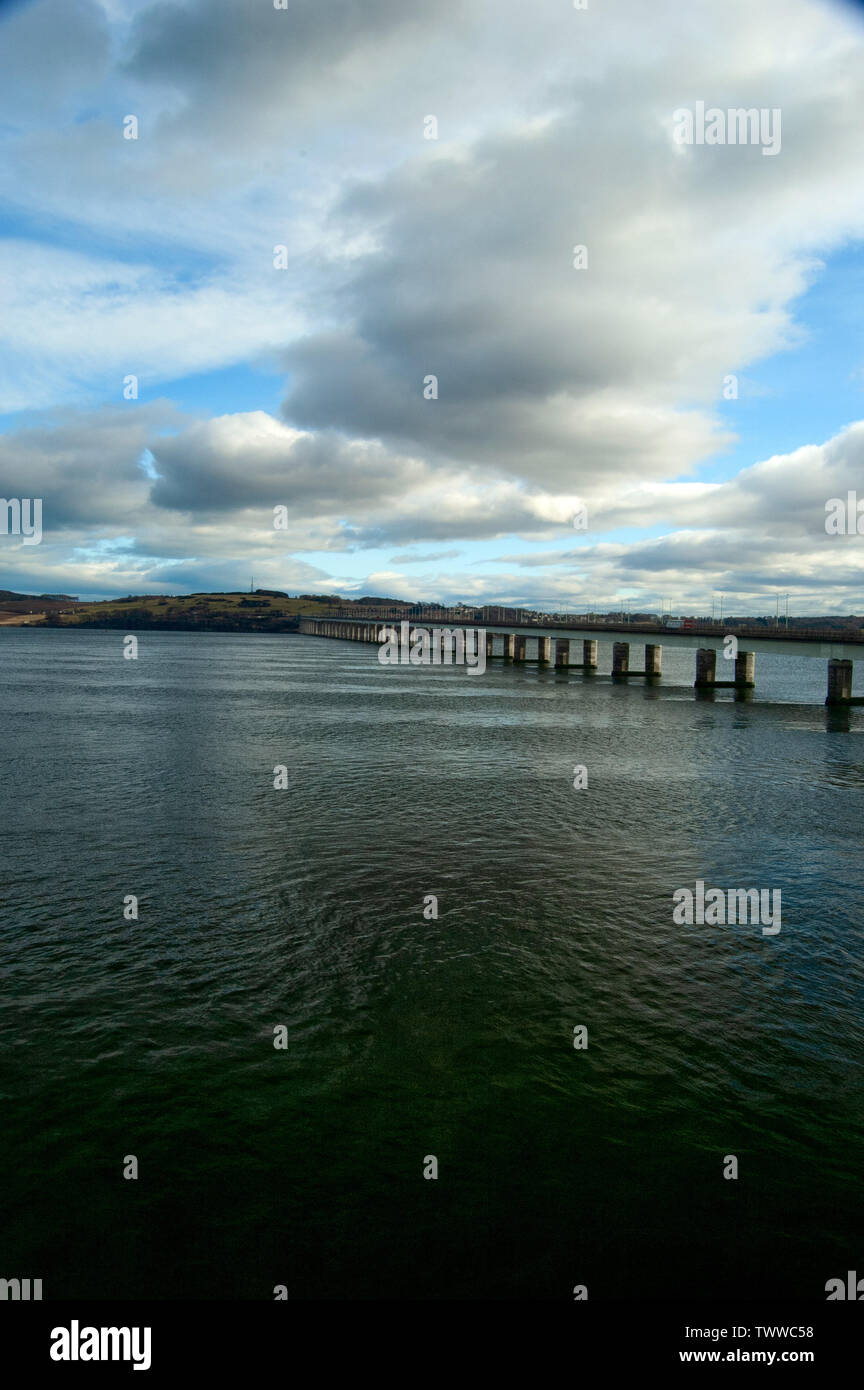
<point x="302" y="385"/>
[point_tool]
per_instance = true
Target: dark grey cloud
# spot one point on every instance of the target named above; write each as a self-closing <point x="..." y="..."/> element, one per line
<point x="235" y="463"/>
<point x="544" y="371"/>
<point x="241" y="66"/>
<point x="84" y="465"/>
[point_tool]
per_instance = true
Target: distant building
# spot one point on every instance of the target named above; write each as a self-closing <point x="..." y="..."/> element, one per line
<point x="495" y="614"/>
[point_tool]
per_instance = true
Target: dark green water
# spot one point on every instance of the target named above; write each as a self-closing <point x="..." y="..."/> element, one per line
<point x="409" y="1037"/>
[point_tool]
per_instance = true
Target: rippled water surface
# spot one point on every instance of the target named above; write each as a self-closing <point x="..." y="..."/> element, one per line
<point x="409" y="1037"/>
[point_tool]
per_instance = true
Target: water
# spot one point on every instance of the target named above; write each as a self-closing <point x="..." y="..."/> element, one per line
<point x="410" y="1037"/>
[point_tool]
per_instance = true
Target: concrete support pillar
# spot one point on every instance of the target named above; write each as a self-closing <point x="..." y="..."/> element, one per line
<point x="544" y="650"/>
<point x="510" y="646"/>
<point x="620" y="658"/>
<point x="839" y="682"/>
<point x="589" y="655"/>
<point x="745" y="668"/>
<point x="490" y="642"/>
<point x="706" y="666"/>
<point x="519" y="644"/>
<point x="653" y="658"/>
<point x="562" y="651"/>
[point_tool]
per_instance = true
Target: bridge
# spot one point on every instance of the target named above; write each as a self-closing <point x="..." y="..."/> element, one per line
<point x="554" y="645"/>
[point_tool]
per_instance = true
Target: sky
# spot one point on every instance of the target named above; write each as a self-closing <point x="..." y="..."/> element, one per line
<point x="317" y="264"/>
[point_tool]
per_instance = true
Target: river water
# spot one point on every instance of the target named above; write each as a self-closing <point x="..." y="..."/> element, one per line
<point x="408" y="1036"/>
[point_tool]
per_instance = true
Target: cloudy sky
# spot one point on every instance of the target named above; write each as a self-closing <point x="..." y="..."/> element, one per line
<point x="282" y="260"/>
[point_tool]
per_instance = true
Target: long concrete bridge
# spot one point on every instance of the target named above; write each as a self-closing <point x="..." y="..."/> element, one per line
<point x="508" y="644"/>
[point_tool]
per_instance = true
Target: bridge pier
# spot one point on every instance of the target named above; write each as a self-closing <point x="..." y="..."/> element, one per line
<point x="544" y="650"/>
<point x="706" y="671"/>
<point x="620" y="660"/>
<point x="653" y="659"/>
<point x="839" y="682"/>
<point x="519" y="647"/>
<point x="589" y="657"/>
<point x="706" y="668"/>
<point x="562" y="652"/>
<point x="745" y="669"/>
